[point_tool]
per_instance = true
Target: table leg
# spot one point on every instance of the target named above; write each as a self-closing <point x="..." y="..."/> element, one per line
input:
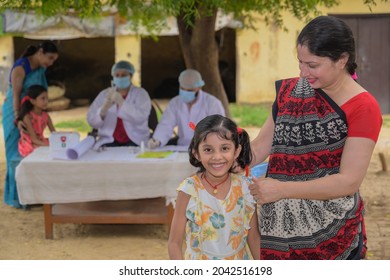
<point x="47" y="208"/>
<point x="108" y="212"/>
<point x="170" y="212"/>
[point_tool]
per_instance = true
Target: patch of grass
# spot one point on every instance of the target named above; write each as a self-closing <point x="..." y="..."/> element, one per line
<point x="74" y="125"/>
<point x="386" y="121"/>
<point x="250" y="114"/>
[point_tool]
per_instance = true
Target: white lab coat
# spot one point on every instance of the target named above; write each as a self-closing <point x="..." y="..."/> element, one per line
<point x="178" y="114"/>
<point x="134" y="113"/>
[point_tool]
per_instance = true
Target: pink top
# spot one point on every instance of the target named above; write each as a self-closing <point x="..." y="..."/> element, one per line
<point x="39" y="123"/>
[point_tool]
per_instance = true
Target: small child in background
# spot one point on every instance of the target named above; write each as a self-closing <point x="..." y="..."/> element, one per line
<point x="214" y="210"/>
<point x="35" y="118"/>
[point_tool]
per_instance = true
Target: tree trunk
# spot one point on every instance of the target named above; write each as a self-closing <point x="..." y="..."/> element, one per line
<point x="200" y="51"/>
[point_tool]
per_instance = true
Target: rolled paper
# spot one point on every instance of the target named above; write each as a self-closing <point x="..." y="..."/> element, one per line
<point x="259" y="170"/>
<point x="81" y="148"/>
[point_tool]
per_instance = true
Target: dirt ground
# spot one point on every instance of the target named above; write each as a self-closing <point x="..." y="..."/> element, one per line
<point x="22" y="232"/>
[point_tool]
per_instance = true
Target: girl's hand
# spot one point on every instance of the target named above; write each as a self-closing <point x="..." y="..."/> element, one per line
<point x="265" y="190"/>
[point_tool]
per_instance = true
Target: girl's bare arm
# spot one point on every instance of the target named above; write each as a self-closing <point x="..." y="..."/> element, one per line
<point x="50" y="124"/>
<point x="31" y="132"/>
<point x="177" y="232"/>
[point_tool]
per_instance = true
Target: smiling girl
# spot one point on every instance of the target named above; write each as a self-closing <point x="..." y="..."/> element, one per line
<point x="214" y="209"/>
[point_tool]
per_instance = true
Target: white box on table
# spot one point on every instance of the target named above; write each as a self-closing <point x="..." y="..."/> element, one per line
<point x="60" y="141"/>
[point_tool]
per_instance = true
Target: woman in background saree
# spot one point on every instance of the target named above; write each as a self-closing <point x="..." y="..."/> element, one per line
<point x="26" y="71"/>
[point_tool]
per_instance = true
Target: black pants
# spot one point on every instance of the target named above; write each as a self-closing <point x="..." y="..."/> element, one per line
<point x="173" y="141"/>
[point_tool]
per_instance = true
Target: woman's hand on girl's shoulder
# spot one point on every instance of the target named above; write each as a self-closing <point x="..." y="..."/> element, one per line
<point x="22" y="127"/>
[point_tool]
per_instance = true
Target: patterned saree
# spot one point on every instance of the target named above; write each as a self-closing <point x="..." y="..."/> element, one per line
<point x="310" y="132"/>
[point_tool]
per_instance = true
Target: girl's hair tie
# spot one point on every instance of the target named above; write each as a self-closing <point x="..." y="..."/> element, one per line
<point x="354" y="76"/>
<point x="26" y="98"/>
<point x="192" y="126"/>
<point x="239" y="130"/>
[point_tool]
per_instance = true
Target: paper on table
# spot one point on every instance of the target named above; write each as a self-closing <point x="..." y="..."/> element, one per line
<point x="81" y="148"/>
<point x="155" y="154"/>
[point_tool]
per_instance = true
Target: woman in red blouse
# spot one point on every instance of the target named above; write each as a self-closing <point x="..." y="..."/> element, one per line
<point x="319" y="140"/>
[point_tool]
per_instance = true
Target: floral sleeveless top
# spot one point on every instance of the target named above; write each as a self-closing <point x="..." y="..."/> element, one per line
<point x="218" y="229"/>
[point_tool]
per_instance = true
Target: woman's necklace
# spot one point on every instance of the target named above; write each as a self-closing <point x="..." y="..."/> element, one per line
<point x="215" y="187"/>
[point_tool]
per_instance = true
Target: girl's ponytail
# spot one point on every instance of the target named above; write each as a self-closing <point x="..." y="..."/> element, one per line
<point x="26" y="106"/>
<point x="245" y="156"/>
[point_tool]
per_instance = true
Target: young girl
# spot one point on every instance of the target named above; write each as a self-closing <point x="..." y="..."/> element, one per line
<point x="33" y="114"/>
<point x="214" y="209"/>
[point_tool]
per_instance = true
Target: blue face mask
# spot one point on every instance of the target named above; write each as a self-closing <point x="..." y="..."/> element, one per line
<point x="187" y="96"/>
<point x="122" y="82"/>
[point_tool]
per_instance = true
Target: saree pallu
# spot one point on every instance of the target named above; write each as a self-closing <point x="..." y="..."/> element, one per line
<point x="12" y="135"/>
<point x="310" y="133"/>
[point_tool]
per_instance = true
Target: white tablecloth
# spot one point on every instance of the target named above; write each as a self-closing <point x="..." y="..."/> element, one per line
<point x="41" y="179"/>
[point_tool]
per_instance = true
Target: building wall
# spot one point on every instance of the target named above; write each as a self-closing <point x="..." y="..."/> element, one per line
<point x="268" y="53"/>
<point x="129" y="48"/>
<point x="6" y="61"/>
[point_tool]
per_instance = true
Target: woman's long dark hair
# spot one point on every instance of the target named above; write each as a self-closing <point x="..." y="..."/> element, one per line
<point x="329" y="36"/>
<point x="46" y="46"/>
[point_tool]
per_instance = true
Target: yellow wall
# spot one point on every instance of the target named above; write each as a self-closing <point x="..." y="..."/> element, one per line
<point x="268" y="54"/>
<point x="129" y="48"/>
<point x="6" y="61"/>
<point x="6" y="51"/>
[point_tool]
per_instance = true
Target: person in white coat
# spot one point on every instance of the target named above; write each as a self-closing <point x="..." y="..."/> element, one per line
<point x="120" y="113"/>
<point x="191" y="105"/>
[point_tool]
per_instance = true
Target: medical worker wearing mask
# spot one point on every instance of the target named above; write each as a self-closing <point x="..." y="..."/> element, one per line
<point x="191" y="105"/>
<point x="121" y="112"/>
